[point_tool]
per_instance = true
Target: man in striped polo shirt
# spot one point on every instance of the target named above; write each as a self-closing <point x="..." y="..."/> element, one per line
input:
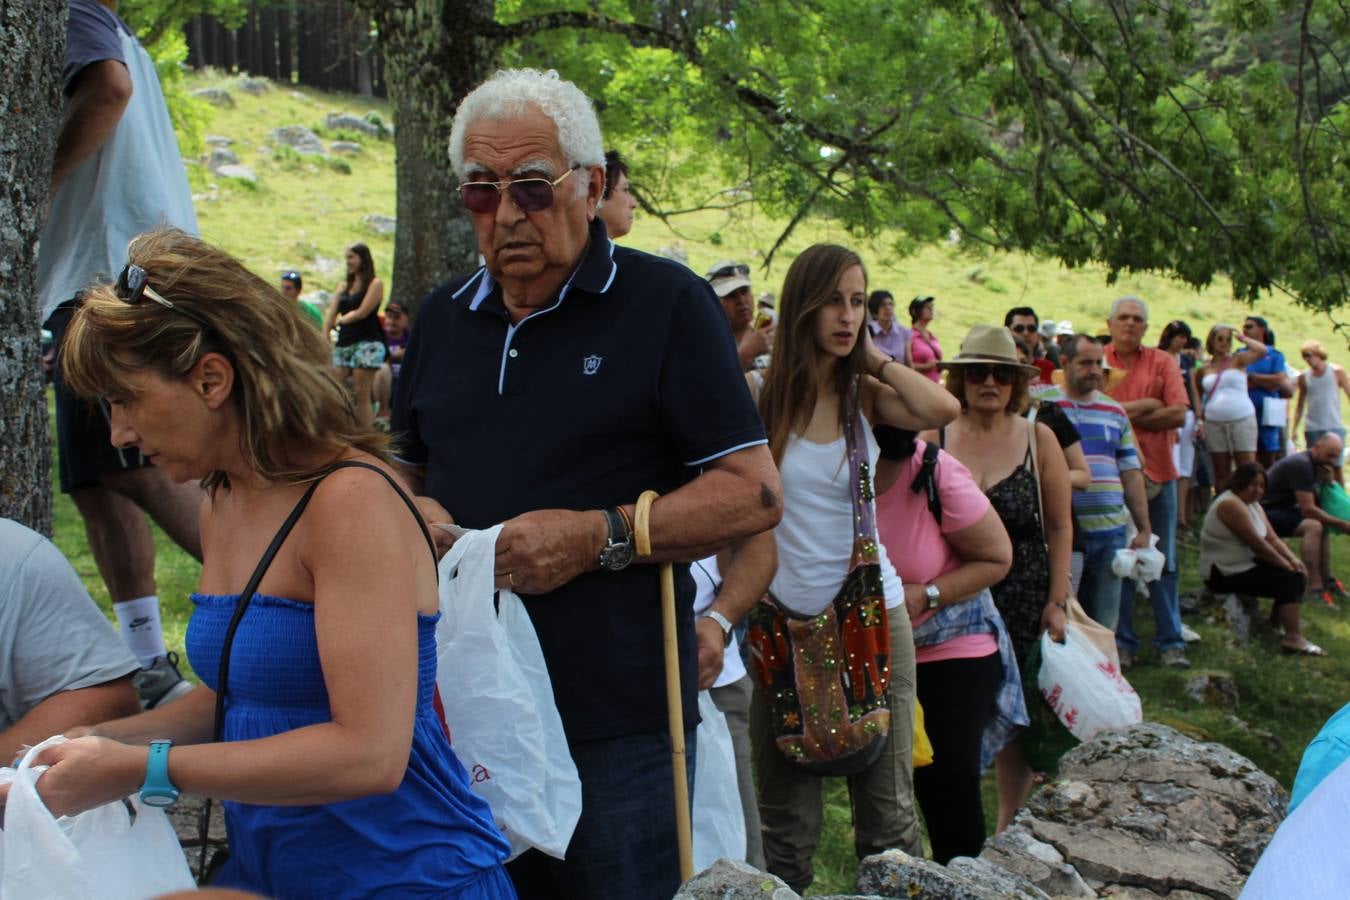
<point x="1100" y="516"/>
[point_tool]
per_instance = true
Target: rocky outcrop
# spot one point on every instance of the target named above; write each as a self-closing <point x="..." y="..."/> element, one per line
<point x="1146" y="808"/>
<point x="298" y="138"/>
<point x="1142" y="812"/>
<point x="254" y="86"/>
<point x="728" y="879"/>
<point x="382" y="225"/>
<point x="346" y="147"/>
<point x="215" y="96"/>
<point x="243" y="173"/>
<point x="349" y="122"/>
<point x="897" y="874"/>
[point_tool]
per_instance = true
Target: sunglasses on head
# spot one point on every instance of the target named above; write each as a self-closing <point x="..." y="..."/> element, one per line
<point x="739" y="269"/>
<point x="290" y="276"/>
<point x="134" y="284"/>
<point x="528" y="194"/>
<point x="978" y="374"/>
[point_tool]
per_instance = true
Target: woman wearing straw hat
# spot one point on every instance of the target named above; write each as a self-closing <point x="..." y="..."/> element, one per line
<point x="1028" y="484"/>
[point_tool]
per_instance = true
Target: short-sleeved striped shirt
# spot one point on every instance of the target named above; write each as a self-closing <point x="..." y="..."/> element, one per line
<point x="1108" y="444"/>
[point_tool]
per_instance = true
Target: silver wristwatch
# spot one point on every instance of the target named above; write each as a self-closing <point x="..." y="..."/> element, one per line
<point x="934" y="596"/>
<point x="722" y="622"/>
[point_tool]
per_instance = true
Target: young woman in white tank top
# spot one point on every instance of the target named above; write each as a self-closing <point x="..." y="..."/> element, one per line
<point x="1226" y="418"/>
<point x="823" y="357"/>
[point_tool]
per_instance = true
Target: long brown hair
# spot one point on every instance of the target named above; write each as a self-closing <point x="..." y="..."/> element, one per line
<point x="288" y="403"/>
<point x="365" y="272"/>
<point x="790" y="388"/>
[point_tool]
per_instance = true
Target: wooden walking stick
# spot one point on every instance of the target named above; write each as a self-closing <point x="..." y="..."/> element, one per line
<point x="642" y="540"/>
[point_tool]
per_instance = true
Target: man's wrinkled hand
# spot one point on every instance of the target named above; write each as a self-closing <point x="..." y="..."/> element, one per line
<point x="1141" y="540"/>
<point x="542" y="550"/>
<point x="711" y="650"/>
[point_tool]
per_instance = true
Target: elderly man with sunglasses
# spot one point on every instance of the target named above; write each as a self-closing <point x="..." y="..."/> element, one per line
<point x="116" y="173"/>
<point x="752" y="331"/>
<point x="547" y="390"/>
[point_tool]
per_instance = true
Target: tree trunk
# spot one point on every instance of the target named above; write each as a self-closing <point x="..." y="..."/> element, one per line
<point x="30" y="101"/>
<point x="285" y="44"/>
<point x="267" y="28"/>
<point x="434" y="54"/>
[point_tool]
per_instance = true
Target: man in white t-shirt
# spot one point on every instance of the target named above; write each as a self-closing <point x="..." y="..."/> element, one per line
<point x="61" y="663"/>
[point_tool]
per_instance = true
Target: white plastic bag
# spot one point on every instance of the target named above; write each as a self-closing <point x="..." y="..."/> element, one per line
<point x="1086" y="691"/>
<point x="1149" y="562"/>
<point x="106" y="852"/>
<point x="718" y="820"/>
<point x="498" y="702"/>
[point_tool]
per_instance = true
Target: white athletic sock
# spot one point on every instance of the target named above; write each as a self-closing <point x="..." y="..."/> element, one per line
<point x="139" y="623"/>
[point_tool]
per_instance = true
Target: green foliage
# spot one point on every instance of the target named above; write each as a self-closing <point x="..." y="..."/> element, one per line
<point x="1167" y="137"/>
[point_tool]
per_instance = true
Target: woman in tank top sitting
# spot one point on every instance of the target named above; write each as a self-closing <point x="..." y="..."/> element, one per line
<point x="336" y="771"/>
<point x="1226" y="419"/>
<point x="828" y="384"/>
<point x="1319" y="392"/>
<point x="1241" y="554"/>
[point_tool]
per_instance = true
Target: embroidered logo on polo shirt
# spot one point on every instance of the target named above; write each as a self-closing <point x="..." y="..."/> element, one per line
<point x="591" y="364"/>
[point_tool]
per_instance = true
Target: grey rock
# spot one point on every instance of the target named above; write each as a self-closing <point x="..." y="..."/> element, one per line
<point x="243" y="173"/>
<point x="302" y="97"/>
<point x="1016" y="850"/>
<point x="380" y="224"/>
<point x="346" y="147"/>
<point x="253" y="86"/>
<point x="1148" y="809"/>
<point x="1216" y="689"/>
<point x="297" y="137"/>
<point x="215" y="96"/>
<point x="995" y="881"/>
<point x="729" y="879"/>
<point x="1238" y="611"/>
<point x="221" y="156"/>
<point x="349" y="122"/>
<point x="895" y="873"/>
<point x="217" y="140"/>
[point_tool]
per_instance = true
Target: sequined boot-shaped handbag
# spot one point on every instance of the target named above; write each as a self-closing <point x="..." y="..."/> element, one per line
<point x="825" y="676"/>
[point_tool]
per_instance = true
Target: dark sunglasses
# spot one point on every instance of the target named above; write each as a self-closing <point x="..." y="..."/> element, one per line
<point x="1023" y="329"/>
<point x="978" y="374"/>
<point x="528" y="194"/>
<point x="134" y="284"/>
<point x="732" y="271"/>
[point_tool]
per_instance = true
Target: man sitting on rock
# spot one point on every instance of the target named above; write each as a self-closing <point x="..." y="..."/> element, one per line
<point x="61" y="663"/>
<point x="1290" y="503"/>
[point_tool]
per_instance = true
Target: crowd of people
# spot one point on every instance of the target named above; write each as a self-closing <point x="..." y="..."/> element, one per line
<point x="883" y="526"/>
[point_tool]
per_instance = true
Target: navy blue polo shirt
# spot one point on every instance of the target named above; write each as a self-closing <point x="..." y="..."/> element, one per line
<point x="628" y="382"/>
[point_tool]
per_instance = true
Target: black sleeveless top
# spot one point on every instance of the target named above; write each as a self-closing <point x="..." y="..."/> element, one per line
<point x="368" y="329"/>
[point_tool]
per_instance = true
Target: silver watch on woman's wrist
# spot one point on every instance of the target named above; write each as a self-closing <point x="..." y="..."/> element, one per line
<point x="934" y="596"/>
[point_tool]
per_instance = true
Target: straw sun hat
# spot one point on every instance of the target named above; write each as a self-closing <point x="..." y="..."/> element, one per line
<point x="988" y="345"/>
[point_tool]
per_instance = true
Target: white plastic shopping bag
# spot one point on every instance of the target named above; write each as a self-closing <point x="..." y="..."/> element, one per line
<point x="718" y="820"/>
<point x="498" y="702"/>
<point x="118" y="851"/>
<point x="1084" y="688"/>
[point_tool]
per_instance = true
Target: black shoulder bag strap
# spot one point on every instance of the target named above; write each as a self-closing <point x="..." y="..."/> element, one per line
<point x="241" y="606"/>
<point x="926" y="481"/>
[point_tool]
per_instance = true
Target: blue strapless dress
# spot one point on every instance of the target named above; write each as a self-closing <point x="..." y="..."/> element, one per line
<point x="431" y="837"/>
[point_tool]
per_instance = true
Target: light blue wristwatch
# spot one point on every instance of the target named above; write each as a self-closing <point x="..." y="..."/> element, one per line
<point x="158" y="790"/>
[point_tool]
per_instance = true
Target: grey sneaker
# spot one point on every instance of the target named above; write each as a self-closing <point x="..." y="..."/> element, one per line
<point x="1126" y="659"/>
<point x="161" y="683"/>
<point x="1189" y="634"/>
<point x="1176" y="659"/>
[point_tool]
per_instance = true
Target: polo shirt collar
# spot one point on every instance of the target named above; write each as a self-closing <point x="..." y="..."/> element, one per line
<point x="594" y="274"/>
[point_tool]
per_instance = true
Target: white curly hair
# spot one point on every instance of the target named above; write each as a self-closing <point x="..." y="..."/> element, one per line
<point x="509" y="92"/>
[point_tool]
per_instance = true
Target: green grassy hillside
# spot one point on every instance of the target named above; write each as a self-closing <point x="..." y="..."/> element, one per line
<point x="303" y="211"/>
